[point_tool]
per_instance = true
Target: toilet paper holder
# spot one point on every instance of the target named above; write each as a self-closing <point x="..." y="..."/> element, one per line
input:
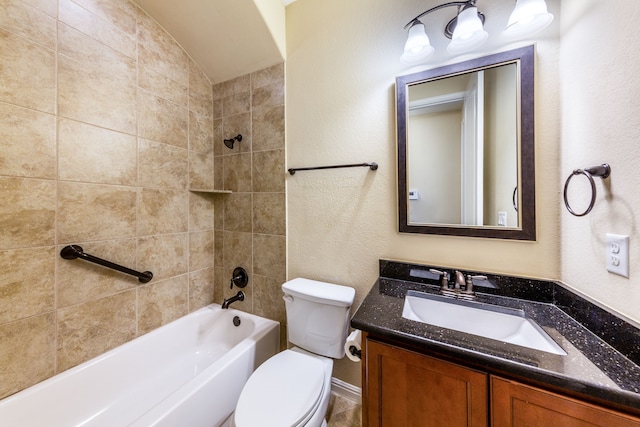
<point x="355" y="352"/>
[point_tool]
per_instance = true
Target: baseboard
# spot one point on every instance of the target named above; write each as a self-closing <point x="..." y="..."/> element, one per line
<point x="346" y="390"/>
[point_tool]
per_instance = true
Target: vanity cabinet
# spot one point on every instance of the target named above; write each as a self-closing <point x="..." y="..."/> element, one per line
<point x="403" y="388"/>
<point x="516" y="404"/>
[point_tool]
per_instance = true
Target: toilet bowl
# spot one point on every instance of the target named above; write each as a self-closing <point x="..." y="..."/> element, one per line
<point x="292" y="388"/>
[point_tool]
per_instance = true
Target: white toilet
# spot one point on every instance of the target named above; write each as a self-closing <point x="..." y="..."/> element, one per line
<point x="292" y="388"/>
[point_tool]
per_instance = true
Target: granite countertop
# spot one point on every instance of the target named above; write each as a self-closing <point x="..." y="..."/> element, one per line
<point x="598" y="364"/>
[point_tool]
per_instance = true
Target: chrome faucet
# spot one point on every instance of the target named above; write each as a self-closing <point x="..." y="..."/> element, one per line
<point x="460" y="282"/>
<point x="237" y="297"/>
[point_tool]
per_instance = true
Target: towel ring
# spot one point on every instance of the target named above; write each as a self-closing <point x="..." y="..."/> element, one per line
<point x="603" y="171"/>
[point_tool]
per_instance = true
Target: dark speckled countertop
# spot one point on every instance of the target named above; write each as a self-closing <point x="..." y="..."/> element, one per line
<point x="603" y="351"/>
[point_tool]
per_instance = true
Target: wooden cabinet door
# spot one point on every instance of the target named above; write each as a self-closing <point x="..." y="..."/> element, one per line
<point x="408" y="389"/>
<point x="518" y="405"/>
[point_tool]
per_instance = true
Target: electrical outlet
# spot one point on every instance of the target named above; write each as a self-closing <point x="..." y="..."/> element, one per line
<point x="618" y="254"/>
<point x="502" y="219"/>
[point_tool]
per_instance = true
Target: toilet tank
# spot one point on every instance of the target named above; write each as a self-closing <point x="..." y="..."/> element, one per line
<point x="318" y="315"/>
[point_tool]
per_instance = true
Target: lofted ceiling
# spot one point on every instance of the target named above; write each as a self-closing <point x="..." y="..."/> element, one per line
<point x="226" y="38"/>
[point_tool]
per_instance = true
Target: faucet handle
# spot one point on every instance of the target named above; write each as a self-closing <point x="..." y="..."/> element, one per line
<point x="444" y="278"/>
<point x="469" y="283"/>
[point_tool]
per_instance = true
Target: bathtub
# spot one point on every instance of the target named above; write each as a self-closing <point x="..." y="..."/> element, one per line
<point x="187" y="373"/>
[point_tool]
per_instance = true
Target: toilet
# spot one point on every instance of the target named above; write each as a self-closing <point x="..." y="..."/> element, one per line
<point x="292" y="388"/>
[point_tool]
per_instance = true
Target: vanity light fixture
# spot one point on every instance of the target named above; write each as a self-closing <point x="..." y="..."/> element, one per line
<point x="466" y="29"/>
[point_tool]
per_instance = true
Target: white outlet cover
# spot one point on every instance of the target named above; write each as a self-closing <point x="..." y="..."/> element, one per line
<point x="618" y="254"/>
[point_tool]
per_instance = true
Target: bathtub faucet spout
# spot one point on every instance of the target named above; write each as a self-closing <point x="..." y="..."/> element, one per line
<point x="238" y="297"/>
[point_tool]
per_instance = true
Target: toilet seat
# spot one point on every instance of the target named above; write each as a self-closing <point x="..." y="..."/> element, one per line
<point x="286" y="390"/>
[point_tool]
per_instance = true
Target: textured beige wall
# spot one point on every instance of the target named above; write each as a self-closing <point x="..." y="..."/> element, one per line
<point x="599" y="62"/>
<point x="342" y="59"/>
<point x="105" y="125"/>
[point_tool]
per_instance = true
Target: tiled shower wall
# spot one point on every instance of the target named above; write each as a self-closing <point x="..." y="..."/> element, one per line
<point x="105" y="124"/>
<point x="250" y="223"/>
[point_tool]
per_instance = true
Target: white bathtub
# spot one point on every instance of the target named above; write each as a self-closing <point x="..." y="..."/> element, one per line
<point x="187" y="373"/>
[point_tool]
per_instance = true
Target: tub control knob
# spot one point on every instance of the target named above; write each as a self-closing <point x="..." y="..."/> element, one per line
<point x="240" y="278"/>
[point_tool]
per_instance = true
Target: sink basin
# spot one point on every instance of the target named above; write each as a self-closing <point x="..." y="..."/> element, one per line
<point x="485" y="320"/>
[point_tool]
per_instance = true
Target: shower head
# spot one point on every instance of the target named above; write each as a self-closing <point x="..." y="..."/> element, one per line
<point x="229" y="142"/>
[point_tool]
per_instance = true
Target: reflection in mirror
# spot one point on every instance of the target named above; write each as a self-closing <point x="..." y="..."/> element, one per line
<point x="465" y="147"/>
<point x="471" y="117"/>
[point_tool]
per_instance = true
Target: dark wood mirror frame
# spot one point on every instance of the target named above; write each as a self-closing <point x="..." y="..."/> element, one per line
<point x="524" y="57"/>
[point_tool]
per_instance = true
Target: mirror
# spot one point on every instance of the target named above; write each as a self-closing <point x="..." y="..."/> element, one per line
<point x="466" y="148"/>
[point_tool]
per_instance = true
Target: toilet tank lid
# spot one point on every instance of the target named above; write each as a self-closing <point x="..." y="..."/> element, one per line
<point x="323" y="292"/>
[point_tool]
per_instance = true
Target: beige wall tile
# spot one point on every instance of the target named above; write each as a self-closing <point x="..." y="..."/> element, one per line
<point x="26" y="361"/>
<point x="162" y="211"/>
<point x="201" y="250"/>
<point x="120" y="13"/>
<point x="237" y="212"/>
<point x="269" y="171"/>
<point x="237" y="172"/>
<point x="269" y="255"/>
<point x="218" y="173"/>
<point x="269" y="213"/>
<point x="96" y="84"/>
<point x="89" y="153"/>
<point x="27" y="283"/>
<point x="219" y="209"/>
<point x="201" y="211"/>
<point x="272" y="94"/>
<point x="98" y="28"/>
<point x="201" y="288"/>
<point x="162" y="120"/>
<point x="218" y="144"/>
<point x="266" y="76"/>
<point x="28" y="73"/>
<point x="89" y="329"/>
<point x="217" y="108"/>
<point x="79" y="281"/>
<point x="267" y="301"/>
<point x="162" y="302"/>
<point x="27" y="142"/>
<point x="268" y="128"/>
<point x="164" y="255"/>
<point x="159" y="51"/>
<point x="201" y="171"/>
<point x="200" y="103"/>
<point x="27" y="212"/>
<point x="162" y="86"/>
<point x="47" y="6"/>
<point x="236" y="104"/>
<point x="218" y="252"/>
<point x="234" y="86"/>
<point x="221" y="281"/>
<point x="29" y="22"/>
<point x="95" y="212"/>
<point x="237" y="252"/>
<point x="198" y="81"/>
<point x="200" y="133"/>
<point x="218" y="92"/>
<point x="162" y="165"/>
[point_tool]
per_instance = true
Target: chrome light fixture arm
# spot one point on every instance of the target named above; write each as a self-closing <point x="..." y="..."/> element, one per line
<point x="459" y="4"/>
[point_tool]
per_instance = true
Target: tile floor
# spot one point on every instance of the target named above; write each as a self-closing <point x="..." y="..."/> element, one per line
<point x="343" y="412"/>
